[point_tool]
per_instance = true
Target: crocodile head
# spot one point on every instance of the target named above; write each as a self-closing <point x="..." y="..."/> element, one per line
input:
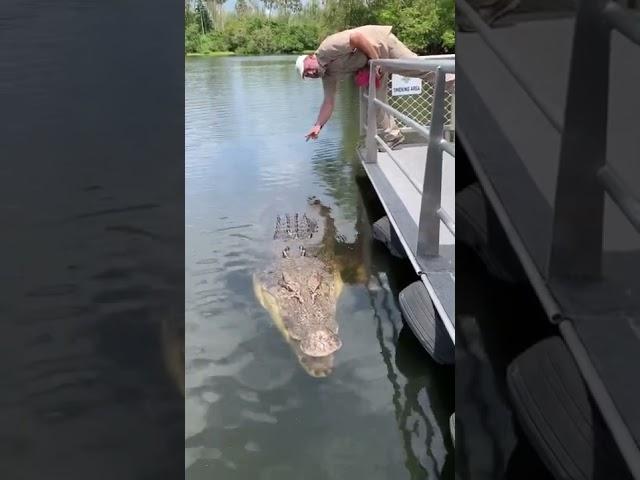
<point x="301" y="295"/>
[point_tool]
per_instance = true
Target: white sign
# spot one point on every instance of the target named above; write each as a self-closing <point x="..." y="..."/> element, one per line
<point x="405" y="85"/>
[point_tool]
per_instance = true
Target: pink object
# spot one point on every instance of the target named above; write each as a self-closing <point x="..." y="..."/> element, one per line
<point x="362" y="78"/>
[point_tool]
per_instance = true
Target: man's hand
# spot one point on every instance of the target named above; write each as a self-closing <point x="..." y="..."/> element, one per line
<point x="314" y="132"/>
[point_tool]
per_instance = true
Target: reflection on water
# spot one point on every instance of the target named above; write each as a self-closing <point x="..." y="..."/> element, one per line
<point x="251" y="410"/>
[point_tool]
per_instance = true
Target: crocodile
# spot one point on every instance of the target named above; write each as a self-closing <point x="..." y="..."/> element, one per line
<point x="301" y="288"/>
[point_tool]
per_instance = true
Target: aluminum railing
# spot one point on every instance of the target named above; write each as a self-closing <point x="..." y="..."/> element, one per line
<point x="583" y="174"/>
<point x="583" y="177"/>
<point x="431" y="211"/>
<point x="418" y="107"/>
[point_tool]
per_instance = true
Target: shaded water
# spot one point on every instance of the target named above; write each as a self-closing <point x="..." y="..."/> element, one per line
<point x="251" y="410"/>
<point x="90" y="267"/>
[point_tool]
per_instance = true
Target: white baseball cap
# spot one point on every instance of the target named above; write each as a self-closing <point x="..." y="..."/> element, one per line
<point x="300" y="65"/>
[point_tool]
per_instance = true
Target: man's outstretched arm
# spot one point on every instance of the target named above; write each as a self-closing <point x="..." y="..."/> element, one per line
<point x="326" y="109"/>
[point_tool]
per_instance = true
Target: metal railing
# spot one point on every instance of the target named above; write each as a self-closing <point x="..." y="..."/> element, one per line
<point x="583" y="174"/>
<point x="419" y="106"/>
<point x="427" y="119"/>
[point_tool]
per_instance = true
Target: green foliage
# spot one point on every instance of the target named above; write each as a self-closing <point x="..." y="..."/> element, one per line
<point x="251" y="34"/>
<point x="342" y="14"/>
<point x="425" y="26"/>
<point x="192" y="38"/>
<point x="286" y="26"/>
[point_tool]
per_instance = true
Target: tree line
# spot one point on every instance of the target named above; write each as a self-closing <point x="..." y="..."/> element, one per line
<point x="288" y="26"/>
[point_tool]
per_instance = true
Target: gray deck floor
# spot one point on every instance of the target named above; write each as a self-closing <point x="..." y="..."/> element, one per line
<point x="413" y="161"/>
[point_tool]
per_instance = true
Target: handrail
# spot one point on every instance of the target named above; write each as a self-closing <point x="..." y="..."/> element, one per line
<point x="611" y="16"/>
<point x="442" y="214"/>
<point x="447" y="220"/>
<point x="619" y="192"/>
<point x="431" y="211"/>
<point x="551" y="113"/>
<point x="626" y="21"/>
<point x="583" y="178"/>
<point x="429" y="223"/>
<point x="447" y="65"/>
<point x="448" y="147"/>
<point x="424" y="131"/>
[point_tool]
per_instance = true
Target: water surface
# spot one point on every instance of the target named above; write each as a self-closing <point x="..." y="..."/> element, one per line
<point x="251" y="410"/>
<point x="92" y="265"/>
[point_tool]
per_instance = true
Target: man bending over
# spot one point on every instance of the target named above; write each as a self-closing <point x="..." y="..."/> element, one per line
<point x="345" y="53"/>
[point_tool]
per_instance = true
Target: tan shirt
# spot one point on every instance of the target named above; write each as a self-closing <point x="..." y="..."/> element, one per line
<point x="336" y="56"/>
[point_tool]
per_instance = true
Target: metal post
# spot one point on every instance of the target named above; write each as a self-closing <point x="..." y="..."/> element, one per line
<point x="372" y="150"/>
<point x="429" y="227"/>
<point x="576" y="250"/>
<point x="363" y="111"/>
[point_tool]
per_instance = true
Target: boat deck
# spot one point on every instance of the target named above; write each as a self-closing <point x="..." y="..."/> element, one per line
<point x="518" y="171"/>
<point x="398" y="186"/>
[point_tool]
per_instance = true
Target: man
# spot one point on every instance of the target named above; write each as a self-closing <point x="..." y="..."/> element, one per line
<point x="345" y="53"/>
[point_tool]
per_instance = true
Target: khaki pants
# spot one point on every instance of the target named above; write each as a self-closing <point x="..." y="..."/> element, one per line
<point x="386" y="123"/>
